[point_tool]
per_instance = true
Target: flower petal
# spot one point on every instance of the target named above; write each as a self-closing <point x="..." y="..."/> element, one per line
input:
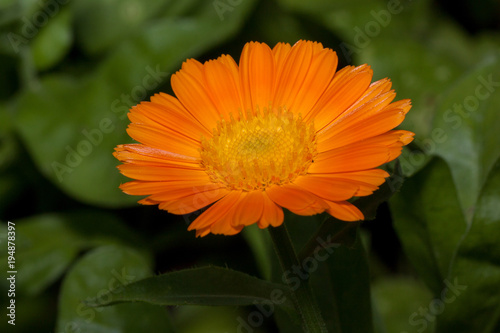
<point x="296" y="200"/>
<point x="193" y="202"/>
<point x="157" y="173"/>
<point x="155" y="187"/>
<point x="224" y="90"/>
<point x="249" y="209"/>
<point x="347" y="86"/>
<point x="328" y="188"/>
<point x="164" y="140"/>
<point x="162" y="118"/>
<point x="272" y="214"/>
<point x="362" y="155"/>
<point x="257" y="76"/>
<point x="216" y="211"/>
<point x="293" y="73"/>
<point x="344" y="211"/>
<point x="145" y="155"/>
<point x="193" y="95"/>
<point x="378" y="124"/>
<point x="173" y="104"/>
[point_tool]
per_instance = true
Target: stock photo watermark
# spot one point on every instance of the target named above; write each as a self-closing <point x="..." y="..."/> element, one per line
<point x="32" y="25"/>
<point x="115" y="286"/>
<point x="453" y="115"/>
<point x="425" y="315"/>
<point x="294" y="276"/>
<point x="223" y="6"/>
<point x="94" y="137"/>
<point x="11" y="273"/>
<point x="363" y="36"/>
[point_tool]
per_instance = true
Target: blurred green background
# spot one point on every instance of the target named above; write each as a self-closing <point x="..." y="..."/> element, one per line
<point x="70" y="69"/>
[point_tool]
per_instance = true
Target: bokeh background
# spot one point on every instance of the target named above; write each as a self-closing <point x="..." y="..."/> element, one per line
<point x="69" y="71"/>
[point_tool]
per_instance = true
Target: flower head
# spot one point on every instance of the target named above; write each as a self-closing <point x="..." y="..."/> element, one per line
<point x="282" y="129"/>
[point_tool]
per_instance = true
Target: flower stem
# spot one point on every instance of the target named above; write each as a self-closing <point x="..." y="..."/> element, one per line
<point x="304" y="301"/>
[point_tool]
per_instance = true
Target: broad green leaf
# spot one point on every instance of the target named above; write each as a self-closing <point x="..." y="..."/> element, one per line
<point x="76" y="150"/>
<point x="47" y="244"/>
<point x="98" y="272"/>
<point x="70" y="124"/>
<point x="218" y="319"/>
<point x="53" y="41"/>
<point x="429" y="222"/>
<point x="102" y="24"/>
<point x="200" y="286"/>
<point x="469" y="122"/>
<point x="398" y="301"/>
<point x="472" y="302"/>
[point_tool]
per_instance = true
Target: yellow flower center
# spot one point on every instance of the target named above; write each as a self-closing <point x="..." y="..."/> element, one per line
<point x="259" y="150"/>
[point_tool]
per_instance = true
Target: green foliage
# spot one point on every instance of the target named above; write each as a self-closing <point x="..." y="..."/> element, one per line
<point x="105" y="269"/>
<point x="199" y="286"/>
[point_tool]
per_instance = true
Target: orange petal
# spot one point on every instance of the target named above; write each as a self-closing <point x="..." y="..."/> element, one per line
<point x="145" y="155"/>
<point x="223" y="88"/>
<point x="191" y="92"/>
<point x="296" y="200"/>
<point x="216" y="211"/>
<point x="204" y="192"/>
<point x="193" y="202"/>
<point x="344" y="211"/>
<point x="280" y="52"/>
<point x="362" y="155"/>
<point x="377" y="124"/>
<point x="164" y="140"/>
<point x="347" y="86"/>
<point x="272" y="214"/>
<point x="162" y="118"/>
<point x="293" y="73"/>
<point x="152" y="187"/>
<point x="318" y="68"/>
<point x="375" y="98"/>
<point x="373" y="176"/>
<point x="156" y="173"/>
<point x="249" y="209"/>
<point x="172" y="103"/>
<point x="328" y="188"/>
<point x="257" y="75"/>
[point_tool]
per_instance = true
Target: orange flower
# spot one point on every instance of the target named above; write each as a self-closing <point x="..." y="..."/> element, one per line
<point x="281" y="130"/>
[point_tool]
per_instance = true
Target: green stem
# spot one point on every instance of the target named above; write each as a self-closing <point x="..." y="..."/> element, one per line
<point x="304" y="301"/>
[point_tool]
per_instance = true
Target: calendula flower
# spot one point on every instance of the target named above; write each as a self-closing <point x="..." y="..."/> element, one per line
<point x="282" y="129"/>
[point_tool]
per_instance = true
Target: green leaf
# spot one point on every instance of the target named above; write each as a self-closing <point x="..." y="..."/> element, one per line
<point x="473" y="297"/>
<point x="337" y="268"/>
<point x="429" y="222"/>
<point x="71" y="122"/>
<point x="468" y="118"/>
<point x="76" y="150"/>
<point x="398" y="300"/>
<point x="102" y="24"/>
<point x="443" y="220"/>
<point x="209" y="319"/>
<point x="349" y="275"/>
<point x="199" y="286"/>
<point x="53" y="41"/>
<point x="98" y="272"/>
<point x="47" y="244"/>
